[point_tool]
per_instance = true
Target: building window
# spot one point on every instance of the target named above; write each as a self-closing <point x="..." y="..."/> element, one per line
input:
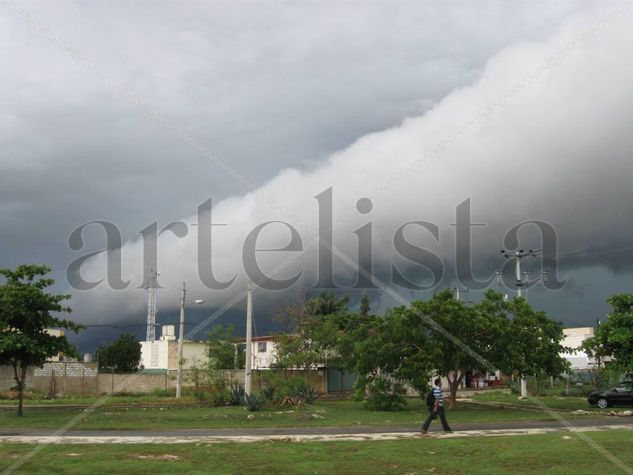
<point x="261" y="347"/>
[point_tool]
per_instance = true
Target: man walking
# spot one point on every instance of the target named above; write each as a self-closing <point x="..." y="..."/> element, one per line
<point x="437" y="409"/>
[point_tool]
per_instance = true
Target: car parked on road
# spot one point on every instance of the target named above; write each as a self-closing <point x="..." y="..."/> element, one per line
<point x="621" y="395"/>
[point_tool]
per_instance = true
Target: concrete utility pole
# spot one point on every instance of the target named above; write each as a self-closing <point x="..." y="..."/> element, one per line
<point x="180" y="340"/>
<point x="518" y="255"/>
<point x="249" y="340"/>
<point x="458" y="293"/>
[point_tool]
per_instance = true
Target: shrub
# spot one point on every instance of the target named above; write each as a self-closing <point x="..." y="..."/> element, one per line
<point x="268" y="393"/>
<point x="253" y="402"/>
<point x="164" y="392"/>
<point x="384" y="394"/>
<point x="219" y="397"/>
<point x="236" y="395"/>
<point x="309" y="394"/>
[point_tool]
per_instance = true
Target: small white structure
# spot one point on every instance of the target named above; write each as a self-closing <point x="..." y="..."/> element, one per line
<point x="574" y="337"/>
<point x="163" y="353"/>
<point x="264" y="352"/>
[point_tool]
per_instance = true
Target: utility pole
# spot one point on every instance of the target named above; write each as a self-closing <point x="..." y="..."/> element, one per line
<point x="518" y="256"/>
<point x="249" y="340"/>
<point x="180" y="340"/>
<point x="458" y="291"/>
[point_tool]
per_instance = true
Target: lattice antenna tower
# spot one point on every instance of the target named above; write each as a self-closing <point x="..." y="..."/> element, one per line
<point x="151" y="306"/>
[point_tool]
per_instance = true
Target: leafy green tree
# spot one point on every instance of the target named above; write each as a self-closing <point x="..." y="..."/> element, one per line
<point x="531" y="343"/>
<point x="394" y="349"/>
<point x="462" y="336"/>
<point x="614" y="337"/>
<point x="222" y="350"/>
<point x="26" y="312"/>
<point x="314" y="332"/>
<point x="122" y="355"/>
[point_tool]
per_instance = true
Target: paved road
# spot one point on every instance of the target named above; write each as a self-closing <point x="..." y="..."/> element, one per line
<point x="46" y="436"/>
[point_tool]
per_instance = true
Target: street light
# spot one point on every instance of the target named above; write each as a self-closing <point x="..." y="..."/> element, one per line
<point x="181" y="338"/>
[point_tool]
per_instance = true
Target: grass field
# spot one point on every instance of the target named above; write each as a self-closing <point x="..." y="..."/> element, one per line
<point x="325" y="413"/>
<point x="553" y="402"/>
<point x="551" y="453"/>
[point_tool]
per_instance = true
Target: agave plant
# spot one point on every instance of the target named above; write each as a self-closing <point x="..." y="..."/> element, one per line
<point x="309" y="394"/>
<point x="253" y="402"/>
<point x="236" y="396"/>
<point x="268" y="392"/>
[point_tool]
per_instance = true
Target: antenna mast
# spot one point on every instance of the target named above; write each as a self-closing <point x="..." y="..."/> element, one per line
<point x="151" y="306"/>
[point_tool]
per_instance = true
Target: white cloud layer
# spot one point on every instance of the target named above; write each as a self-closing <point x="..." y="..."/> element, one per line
<point x="558" y="151"/>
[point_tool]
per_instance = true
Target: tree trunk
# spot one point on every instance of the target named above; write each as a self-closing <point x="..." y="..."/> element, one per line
<point x="453" y="385"/>
<point x="20" y="377"/>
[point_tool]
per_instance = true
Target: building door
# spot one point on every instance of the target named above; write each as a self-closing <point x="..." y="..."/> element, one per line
<point x="340" y="381"/>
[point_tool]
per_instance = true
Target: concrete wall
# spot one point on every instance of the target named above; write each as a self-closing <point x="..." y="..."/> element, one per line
<point x="56" y="378"/>
<point x="84" y="379"/>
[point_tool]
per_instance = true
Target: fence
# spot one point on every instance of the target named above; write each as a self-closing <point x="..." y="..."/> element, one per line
<point x="84" y="379"/>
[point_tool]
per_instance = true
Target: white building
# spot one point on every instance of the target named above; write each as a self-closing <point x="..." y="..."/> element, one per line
<point x="263" y="352"/>
<point x="163" y="353"/>
<point x="574" y="337"/>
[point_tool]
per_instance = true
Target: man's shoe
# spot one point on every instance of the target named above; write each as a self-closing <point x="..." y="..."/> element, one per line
<point x="424" y="432"/>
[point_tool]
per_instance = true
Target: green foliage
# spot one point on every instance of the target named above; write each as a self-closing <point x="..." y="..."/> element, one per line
<point x="268" y="393"/>
<point x="222" y="350"/>
<point x="308" y="394"/>
<point x="364" y="305"/>
<point x="123" y="355"/>
<point x="531" y="343"/>
<point x="254" y="402"/>
<point x="25" y="315"/>
<point x="614" y="337"/>
<point x="409" y="345"/>
<point x="396" y="346"/>
<point x="236" y="397"/>
<point x="313" y="342"/>
<point x="384" y="394"/>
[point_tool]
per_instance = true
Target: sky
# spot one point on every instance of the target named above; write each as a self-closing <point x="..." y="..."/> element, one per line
<point x="139" y="112"/>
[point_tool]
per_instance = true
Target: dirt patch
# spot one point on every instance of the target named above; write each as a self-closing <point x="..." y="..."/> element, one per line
<point x="13" y="455"/>
<point x="165" y="457"/>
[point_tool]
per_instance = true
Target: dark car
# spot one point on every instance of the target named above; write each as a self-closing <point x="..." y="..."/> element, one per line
<point x="622" y="395"/>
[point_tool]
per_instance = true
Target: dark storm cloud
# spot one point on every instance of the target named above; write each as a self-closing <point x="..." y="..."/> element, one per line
<point x="267" y="86"/>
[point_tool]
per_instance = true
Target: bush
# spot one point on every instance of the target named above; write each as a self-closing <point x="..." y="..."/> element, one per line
<point x="253" y="402"/>
<point x="164" y="392"/>
<point x="236" y="395"/>
<point x="309" y="394"/>
<point x="384" y="394"/>
<point x="268" y="393"/>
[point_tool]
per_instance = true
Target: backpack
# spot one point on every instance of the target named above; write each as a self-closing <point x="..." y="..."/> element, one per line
<point x="430" y="399"/>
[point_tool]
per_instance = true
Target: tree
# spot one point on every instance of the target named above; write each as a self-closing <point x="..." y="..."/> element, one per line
<point x="314" y="336"/>
<point x="222" y="351"/>
<point x="614" y="337"/>
<point x="395" y="348"/>
<point x="531" y="343"/>
<point x="463" y="336"/>
<point x="26" y="312"/>
<point x="122" y="355"/>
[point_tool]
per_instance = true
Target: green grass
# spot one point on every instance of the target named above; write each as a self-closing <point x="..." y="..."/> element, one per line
<point x="116" y="399"/>
<point x="553" y="402"/>
<point x="329" y="413"/>
<point x="551" y="454"/>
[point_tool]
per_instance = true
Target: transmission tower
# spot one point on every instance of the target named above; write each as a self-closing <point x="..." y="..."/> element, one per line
<point x="151" y="306"/>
